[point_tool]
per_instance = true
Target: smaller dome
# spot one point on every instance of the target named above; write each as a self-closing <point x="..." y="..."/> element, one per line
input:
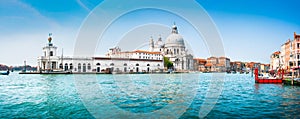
<point x="159" y="44"/>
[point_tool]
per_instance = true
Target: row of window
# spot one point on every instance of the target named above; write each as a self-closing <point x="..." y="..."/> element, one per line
<point x="88" y="66"/>
<point x="140" y="57"/>
<point x="148" y="54"/>
<point x="125" y="64"/>
<point x="67" y="66"/>
<point x="51" y="53"/>
<point x="174" y="51"/>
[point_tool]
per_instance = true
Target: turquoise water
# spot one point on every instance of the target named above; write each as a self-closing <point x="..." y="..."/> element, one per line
<point x="153" y="96"/>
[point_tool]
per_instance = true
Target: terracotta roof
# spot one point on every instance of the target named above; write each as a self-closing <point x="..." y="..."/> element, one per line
<point x="211" y="58"/>
<point x="208" y="64"/>
<point x="219" y="65"/>
<point x="138" y="51"/>
<point x="276" y="53"/>
<point x="295" y="35"/>
<point x="223" y="58"/>
<point x="129" y="59"/>
<point x="143" y="51"/>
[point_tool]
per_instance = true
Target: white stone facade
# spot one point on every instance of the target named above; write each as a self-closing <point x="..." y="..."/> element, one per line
<point x="174" y="49"/>
<point x="115" y="61"/>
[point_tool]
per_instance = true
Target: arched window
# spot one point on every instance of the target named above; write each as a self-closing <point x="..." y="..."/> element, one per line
<point x="71" y="66"/>
<point x="158" y="64"/>
<point x="84" y="67"/>
<point x="51" y="53"/>
<point x="148" y="64"/>
<point x="112" y="64"/>
<point x="98" y="64"/>
<point x="89" y="66"/>
<point x="61" y="66"/>
<point x="79" y="67"/>
<point x="125" y="64"/>
<point x="137" y="65"/>
<point x="66" y="67"/>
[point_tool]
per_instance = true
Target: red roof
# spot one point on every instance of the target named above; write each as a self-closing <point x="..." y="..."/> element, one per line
<point x="208" y="64"/>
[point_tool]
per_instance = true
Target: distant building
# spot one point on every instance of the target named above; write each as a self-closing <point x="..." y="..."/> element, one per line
<point x="237" y="66"/>
<point x="199" y="64"/>
<point x="212" y="64"/>
<point x="224" y="64"/>
<point x="275" y="61"/>
<point x="3" y="67"/>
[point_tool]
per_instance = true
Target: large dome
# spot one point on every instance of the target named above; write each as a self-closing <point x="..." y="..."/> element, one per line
<point x="174" y="39"/>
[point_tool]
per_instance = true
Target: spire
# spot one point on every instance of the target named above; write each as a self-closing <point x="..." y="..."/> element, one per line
<point x="50" y="38"/>
<point x="174" y="29"/>
<point x="159" y="38"/>
<point x="151" y="44"/>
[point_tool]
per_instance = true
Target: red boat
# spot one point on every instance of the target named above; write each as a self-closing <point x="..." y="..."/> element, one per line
<point x="268" y="80"/>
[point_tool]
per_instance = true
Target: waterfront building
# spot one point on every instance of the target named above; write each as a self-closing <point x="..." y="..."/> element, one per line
<point x="237" y="66"/>
<point x="253" y="65"/>
<point x="275" y="61"/>
<point x="212" y="64"/>
<point x="224" y="64"/>
<point x="3" y="67"/>
<point x="289" y="56"/>
<point x="122" y="61"/>
<point x="199" y="64"/>
<point x="295" y="52"/>
<point x="174" y="49"/>
<point x="114" y="61"/>
<point x="264" y="67"/>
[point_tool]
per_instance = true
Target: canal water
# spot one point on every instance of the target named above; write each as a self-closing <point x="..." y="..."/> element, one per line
<point x="145" y="96"/>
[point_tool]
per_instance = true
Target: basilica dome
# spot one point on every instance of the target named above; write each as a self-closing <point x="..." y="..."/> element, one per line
<point x="174" y="39"/>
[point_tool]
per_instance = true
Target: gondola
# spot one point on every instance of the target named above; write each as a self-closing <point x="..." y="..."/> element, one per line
<point x="5" y="73"/>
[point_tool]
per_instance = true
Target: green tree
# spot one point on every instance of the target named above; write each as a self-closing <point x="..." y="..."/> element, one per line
<point x="167" y="63"/>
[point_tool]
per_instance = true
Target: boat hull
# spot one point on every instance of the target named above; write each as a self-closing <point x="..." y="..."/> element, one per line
<point x="268" y="81"/>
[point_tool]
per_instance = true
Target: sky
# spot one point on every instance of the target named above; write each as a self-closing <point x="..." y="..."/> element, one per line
<point x="251" y="29"/>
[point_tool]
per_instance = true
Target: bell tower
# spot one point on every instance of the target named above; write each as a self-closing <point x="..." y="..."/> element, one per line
<point x="151" y="44"/>
<point x="49" y="57"/>
<point x="49" y="49"/>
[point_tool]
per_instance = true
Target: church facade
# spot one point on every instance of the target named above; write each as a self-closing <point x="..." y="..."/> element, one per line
<point x="174" y="49"/>
<point x="119" y="61"/>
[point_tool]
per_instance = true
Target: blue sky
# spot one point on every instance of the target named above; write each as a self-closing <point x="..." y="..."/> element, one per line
<point x="251" y="29"/>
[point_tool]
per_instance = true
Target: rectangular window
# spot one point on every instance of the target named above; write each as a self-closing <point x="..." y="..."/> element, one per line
<point x="298" y="45"/>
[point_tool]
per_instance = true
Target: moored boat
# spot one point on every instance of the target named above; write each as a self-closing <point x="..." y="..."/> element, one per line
<point x="5" y="73"/>
<point x="267" y="79"/>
